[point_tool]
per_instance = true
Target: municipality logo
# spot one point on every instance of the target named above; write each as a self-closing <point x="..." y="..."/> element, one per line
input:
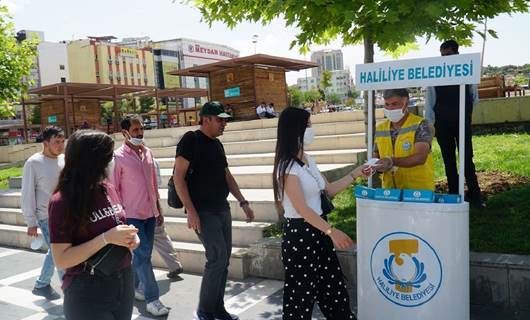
<point x="406" y="269"/>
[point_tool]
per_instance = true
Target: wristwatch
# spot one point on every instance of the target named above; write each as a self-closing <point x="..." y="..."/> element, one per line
<point x="243" y="203"/>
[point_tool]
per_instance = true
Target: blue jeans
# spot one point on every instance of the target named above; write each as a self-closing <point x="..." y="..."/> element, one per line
<point x="48" y="266"/>
<point x="142" y="258"/>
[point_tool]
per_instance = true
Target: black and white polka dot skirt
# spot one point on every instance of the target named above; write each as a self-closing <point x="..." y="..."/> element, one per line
<point x="312" y="274"/>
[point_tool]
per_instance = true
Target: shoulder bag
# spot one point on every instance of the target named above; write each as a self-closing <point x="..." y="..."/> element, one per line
<point x="173" y="199"/>
<point x="109" y="258"/>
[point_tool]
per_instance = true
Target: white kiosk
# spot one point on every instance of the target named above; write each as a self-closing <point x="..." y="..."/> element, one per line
<point x="413" y="258"/>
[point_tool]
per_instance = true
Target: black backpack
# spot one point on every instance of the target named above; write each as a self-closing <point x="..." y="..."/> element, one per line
<point x="173" y="199"/>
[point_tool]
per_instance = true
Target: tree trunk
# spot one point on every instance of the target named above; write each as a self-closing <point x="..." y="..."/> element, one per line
<point x="368" y="58"/>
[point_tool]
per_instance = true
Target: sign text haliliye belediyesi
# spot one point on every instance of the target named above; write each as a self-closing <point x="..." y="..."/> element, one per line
<point x="417" y="73"/>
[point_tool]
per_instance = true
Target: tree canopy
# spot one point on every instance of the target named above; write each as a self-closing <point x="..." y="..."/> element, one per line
<point x="16" y="60"/>
<point x="390" y="24"/>
<point x="325" y="81"/>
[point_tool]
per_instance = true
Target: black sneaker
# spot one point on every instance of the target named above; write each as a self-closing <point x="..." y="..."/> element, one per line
<point x="201" y="315"/>
<point x="46" y="292"/>
<point x="224" y="315"/>
<point x="174" y="274"/>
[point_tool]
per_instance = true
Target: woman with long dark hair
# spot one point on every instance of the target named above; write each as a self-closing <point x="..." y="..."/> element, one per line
<point x="87" y="233"/>
<point x="312" y="269"/>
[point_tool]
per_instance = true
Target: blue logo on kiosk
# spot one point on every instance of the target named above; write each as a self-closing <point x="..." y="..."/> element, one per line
<point x="406" y="269"/>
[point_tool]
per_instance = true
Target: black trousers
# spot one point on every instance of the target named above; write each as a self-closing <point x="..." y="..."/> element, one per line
<point x="312" y="274"/>
<point x="216" y="236"/>
<point x="91" y="297"/>
<point x="447" y="135"/>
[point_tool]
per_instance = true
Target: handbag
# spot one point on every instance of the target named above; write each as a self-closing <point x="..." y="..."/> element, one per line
<point x="109" y="258"/>
<point x="173" y="199"/>
<point x="325" y="202"/>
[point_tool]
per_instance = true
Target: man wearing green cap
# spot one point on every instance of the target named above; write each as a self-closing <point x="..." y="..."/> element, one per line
<point x="202" y="181"/>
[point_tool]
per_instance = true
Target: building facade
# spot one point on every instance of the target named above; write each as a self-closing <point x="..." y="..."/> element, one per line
<point x="53" y="63"/>
<point x="330" y="60"/>
<point x="33" y="80"/>
<point x="98" y="60"/>
<point x="341" y="83"/>
<point x="184" y="53"/>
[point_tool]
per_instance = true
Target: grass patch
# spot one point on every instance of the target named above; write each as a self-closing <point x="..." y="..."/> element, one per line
<point x="500" y="152"/>
<point x="502" y="227"/>
<point x="6" y="173"/>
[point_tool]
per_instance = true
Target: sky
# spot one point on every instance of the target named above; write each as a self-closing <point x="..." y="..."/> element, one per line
<point x="169" y="19"/>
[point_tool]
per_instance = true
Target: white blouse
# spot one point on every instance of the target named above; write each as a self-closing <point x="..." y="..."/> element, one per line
<point x="311" y="182"/>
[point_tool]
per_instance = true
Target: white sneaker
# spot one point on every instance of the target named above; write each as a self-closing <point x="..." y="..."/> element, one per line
<point x="156" y="308"/>
<point x="139" y="294"/>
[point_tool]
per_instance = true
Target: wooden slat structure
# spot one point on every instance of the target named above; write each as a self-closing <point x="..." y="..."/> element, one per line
<point x="65" y="100"/>
<point x="491" y="87"/>
<point x="247" y="81"/>
<point x="177" y="93"/>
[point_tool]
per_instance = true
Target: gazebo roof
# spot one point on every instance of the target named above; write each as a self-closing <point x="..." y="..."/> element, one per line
<point x="175" y="92"/>
<point x="258" y="59"/>
<point x="87" y="90"/>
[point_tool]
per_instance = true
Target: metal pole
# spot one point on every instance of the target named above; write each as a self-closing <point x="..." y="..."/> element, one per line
<point x="157" y="109"/>
<point x="65" y="108"/>
<point x="461" y="141"/>
<point x="370" y="130"/>
<point x="116" y="115"/>
<point x="73" y="109"/>
<point x="24" y="116"/>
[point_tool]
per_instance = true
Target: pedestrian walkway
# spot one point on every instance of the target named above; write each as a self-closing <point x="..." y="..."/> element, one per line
<point x="250" y="299"/>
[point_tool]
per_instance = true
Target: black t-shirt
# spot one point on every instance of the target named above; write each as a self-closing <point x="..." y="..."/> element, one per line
<point x="207" y="183"/>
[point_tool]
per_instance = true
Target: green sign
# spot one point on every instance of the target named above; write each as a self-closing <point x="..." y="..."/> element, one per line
<point x="232" y="92"/>
<point x="52" y="119"/>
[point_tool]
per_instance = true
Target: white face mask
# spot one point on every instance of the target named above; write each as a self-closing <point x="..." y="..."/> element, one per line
<point x="394" y="115"/>
<point x="309" y="136"/>
<point x="136" y="141"/>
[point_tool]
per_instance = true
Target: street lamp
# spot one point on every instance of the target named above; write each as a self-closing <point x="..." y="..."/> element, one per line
<point x="255" y="42"/>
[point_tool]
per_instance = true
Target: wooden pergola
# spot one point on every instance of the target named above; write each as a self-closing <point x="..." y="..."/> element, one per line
<point x="246" y="81"/>
<point x="68" y="91"/>
<point x="205" y="70"/>
<point x="174" y="93"/>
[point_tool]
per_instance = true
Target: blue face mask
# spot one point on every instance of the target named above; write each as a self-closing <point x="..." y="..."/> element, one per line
<point x="309" y="136"/>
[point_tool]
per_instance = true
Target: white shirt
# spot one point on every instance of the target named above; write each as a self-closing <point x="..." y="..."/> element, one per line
<point x="311" y="182"/>
<point x="260" y="109"/>
<point x="39" y="180"/>
<point x="270" y="109"/>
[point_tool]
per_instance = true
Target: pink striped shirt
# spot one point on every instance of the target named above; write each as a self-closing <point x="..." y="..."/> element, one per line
<point x="135" y="182"/>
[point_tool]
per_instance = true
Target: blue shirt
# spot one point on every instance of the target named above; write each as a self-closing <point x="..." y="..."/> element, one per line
<point x="430" y="101"/>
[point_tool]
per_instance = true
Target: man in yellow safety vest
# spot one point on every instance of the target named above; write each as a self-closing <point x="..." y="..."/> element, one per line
<point x="403" y="145"/>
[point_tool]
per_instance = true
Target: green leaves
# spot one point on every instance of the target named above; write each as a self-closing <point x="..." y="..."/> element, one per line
<point x="325" y="81"/>
<point x="15" y="60"/>
<point x="392" y="25"/>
